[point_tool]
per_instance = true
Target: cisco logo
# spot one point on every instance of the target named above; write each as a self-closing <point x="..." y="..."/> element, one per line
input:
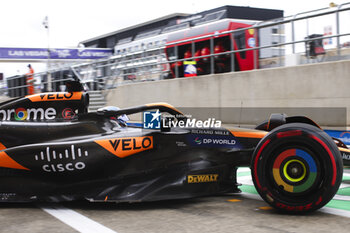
<point x="65" y="161"/>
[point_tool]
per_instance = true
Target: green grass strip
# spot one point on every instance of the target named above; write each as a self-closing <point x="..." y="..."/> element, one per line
<point x="240" y="174"/>
<point x="339" y="204"/>
<point x="344" y="191"/>
<point x="248" y="189"/>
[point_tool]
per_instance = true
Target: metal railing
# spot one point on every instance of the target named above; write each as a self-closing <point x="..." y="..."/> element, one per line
<point x="152" y="63"/>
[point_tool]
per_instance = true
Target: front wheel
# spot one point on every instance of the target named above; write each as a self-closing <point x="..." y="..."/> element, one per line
<point x="297" y="168"/>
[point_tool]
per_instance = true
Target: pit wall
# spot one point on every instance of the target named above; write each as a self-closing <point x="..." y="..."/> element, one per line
<point x="304" y="87"/>
<point x="3" y="98"/>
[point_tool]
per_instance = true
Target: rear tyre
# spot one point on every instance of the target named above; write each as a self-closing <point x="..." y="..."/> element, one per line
<point x="297" y="168"/>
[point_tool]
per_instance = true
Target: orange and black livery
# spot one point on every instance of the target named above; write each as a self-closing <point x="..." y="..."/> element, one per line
<point x="53" y="149"/>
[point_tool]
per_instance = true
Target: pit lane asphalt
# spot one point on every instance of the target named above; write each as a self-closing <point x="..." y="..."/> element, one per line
<point x="208" y="214"/>
<point x="244" y="212"/>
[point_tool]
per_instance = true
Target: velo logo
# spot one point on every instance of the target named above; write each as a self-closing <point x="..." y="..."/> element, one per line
<point x="123" y="147"/>
<point x="55" y="96"/>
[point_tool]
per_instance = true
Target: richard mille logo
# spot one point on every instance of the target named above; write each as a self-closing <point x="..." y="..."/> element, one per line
<point x="57" y="162"/>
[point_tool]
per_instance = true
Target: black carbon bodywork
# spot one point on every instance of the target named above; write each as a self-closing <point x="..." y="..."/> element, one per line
<point x="65" y="153"/>
<point x="52" y="149"/>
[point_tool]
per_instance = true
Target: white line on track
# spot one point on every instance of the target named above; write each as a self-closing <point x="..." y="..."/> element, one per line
<point x="75" y="220"/>
<point x="247" y="180"/>
<point x="343" y="213"/>
<point x="342" y="197"/>
<point x="342" y="185"/>
<point x="243" y="169"/>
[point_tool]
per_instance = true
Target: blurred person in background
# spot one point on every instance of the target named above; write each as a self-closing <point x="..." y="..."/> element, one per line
<point x="30" y="80"/>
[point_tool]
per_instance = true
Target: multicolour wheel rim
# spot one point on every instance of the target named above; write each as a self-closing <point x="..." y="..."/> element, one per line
<point x="294" y="170"/>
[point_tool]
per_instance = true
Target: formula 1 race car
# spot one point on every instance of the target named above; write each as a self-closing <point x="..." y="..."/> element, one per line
<point x="52" y="149"/>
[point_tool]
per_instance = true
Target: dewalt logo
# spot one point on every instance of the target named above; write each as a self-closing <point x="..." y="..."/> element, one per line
<point x="192" y="179"/>
<point x="123" y="147"/>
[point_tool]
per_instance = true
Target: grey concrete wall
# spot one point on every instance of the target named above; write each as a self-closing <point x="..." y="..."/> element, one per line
<point x="3" y="98"/>
<point x="325" y="85"/>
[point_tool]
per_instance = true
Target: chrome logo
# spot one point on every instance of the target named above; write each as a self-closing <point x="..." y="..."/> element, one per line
<point x="21" y="114"/>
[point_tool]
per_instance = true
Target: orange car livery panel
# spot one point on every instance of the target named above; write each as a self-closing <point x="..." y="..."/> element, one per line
<point x="55" y="96"/>
<point x="248" y="133"/>
<point x="2" y="147"/>
<point x="8" y="162"/>
<point x="123" y="147"/>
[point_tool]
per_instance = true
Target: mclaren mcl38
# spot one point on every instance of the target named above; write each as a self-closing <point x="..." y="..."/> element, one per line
<point x="52" y="149"/>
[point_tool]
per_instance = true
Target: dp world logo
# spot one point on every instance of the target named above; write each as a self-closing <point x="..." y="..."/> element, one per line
<point x="198" y="140"/>
<point x="151" y="120"/>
